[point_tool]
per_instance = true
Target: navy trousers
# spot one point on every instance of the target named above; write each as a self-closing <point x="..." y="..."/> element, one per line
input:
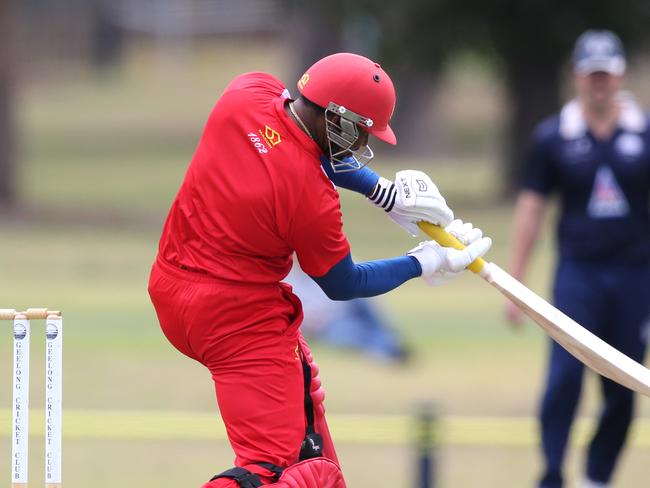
<point x="613" y="302"/>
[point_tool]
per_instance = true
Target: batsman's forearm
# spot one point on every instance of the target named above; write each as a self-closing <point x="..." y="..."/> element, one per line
<point x="347" y="280"/>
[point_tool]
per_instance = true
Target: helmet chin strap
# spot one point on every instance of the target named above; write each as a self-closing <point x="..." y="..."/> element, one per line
<point x="342" y="136"/>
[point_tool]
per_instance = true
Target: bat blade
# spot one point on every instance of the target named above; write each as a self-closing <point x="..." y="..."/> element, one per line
<point x="587" y="347"/>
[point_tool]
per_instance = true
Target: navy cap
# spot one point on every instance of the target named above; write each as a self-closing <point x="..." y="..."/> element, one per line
<point x="598" y="50"/>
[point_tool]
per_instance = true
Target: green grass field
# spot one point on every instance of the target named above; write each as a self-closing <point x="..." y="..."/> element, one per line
<point x="102" y="159"/>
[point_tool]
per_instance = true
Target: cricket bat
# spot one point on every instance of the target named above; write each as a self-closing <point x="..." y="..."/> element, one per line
<point x="585" y="346"/>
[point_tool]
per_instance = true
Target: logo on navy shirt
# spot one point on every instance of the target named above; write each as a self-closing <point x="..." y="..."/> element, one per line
<point x="575" y="150"/>
<point x="629" y="145"/>
<point x="607" y="199"/>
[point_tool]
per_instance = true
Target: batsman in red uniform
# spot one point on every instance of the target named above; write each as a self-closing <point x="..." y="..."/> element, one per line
<point x="261" y="187"/>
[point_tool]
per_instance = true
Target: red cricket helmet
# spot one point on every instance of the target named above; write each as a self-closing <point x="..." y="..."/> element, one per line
<point x="356" y="83"/>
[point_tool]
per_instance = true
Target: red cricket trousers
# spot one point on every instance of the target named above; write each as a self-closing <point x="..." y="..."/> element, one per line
<point x="248" y="337"/>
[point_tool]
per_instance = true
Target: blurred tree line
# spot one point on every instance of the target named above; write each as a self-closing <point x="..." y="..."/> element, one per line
<point x="528" y="41"/>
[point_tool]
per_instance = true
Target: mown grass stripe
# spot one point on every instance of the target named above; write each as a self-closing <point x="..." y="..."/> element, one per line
<point x="351" y="429"/>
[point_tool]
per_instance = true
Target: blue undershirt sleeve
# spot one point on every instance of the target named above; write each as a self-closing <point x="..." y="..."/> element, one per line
<point x="361" y="181"/>
<point x="347" y="280"/>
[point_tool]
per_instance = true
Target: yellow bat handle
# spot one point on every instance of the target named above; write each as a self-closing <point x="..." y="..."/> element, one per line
<point x="444" y="238"/>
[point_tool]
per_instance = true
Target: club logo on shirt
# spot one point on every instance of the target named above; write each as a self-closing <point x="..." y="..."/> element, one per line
<point x="272" y="137"/>
<point x="607" y="199"/>
<point x="267" y="135"/>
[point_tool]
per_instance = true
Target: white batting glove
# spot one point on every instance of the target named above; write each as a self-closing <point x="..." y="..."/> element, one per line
<point x="411" y="198"/>
<point x="441" y="264"/>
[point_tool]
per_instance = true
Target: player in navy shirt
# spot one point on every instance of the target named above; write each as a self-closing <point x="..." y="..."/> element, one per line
<point x="595" y="155"/>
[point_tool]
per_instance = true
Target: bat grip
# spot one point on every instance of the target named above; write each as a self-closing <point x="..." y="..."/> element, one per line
<point x="444" y="238"/>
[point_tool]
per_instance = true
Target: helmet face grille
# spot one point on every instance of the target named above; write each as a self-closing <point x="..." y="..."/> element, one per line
<point x="342" y="136"/>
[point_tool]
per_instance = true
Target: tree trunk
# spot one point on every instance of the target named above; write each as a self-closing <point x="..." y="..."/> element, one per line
<point x="535" y="94"/>
<point x="7" y="134"/>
